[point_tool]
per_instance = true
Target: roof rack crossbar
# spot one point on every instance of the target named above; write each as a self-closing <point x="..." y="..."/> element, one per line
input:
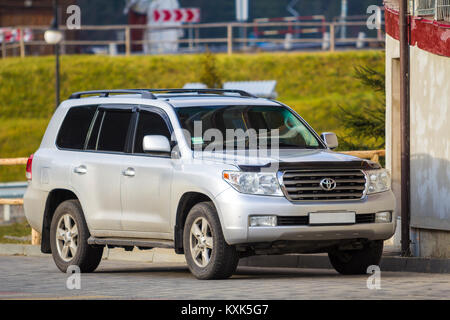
<point x="205" y="91"/>
<point x="146" y="94"/>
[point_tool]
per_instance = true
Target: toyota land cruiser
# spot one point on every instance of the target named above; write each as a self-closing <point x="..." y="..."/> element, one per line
<point x="214" y="174"/>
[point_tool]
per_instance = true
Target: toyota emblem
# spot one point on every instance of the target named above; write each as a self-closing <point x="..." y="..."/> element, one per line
<point x="328" y="184"/>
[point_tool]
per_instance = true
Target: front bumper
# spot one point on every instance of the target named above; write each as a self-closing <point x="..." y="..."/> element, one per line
<point x="234" y="209"/>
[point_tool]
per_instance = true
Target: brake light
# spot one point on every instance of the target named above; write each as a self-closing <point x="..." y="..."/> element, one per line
<point x="29" y="166"/>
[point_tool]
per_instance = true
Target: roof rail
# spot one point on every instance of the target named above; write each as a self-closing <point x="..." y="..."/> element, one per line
<point x="149" y="93"/>
<point x="204" y="91"/>
<point x="146" y="94"/>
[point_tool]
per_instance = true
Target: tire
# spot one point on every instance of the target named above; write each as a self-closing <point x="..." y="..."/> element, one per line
<point x="223" y="258"/>
<point x="85" y="256"/>
<point x="357" y="261"/>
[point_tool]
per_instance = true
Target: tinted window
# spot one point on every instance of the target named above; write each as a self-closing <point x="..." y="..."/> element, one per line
<point x="72" y="134"/>
<point x="92" y="143"/>
<point x="149" y="123"/>
<point x="114" y="129"/>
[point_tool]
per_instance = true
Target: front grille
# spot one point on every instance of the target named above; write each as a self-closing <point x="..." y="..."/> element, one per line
<point x="304" y="220"/>
<point x="304" y="185"/>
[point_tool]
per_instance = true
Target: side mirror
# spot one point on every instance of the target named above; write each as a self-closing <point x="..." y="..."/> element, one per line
<point x="330" y="139"/>
<point x="155" y="143"/>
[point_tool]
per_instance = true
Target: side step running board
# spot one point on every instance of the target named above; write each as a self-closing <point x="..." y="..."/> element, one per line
<point x="132" y="242"/>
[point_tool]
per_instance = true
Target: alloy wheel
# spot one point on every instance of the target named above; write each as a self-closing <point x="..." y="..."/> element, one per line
<point x="67" y="237"/>
<point x="201" y="241"/>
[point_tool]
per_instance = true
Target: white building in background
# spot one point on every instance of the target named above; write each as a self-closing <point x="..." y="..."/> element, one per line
<point x="430" y="127"/>
<point x="163" y="38"/>
<point x="160" y="39"/>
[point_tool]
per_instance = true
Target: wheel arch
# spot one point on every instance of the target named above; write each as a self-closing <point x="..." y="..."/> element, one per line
<point x="187" y="201"/>
<point x="54" y="199"/>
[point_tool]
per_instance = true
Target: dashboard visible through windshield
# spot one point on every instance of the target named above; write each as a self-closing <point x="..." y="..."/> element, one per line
<point x="245" y="127"/>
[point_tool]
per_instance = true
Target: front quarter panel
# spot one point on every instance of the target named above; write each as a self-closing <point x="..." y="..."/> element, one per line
<point x="197" y="176"/>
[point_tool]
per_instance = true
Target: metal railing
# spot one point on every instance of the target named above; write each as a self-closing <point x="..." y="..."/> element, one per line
<point x="228" y="38"/>
<point x="439" y="10"/>
<point x="443" y="10"/>
<point x="392" y="4"/>
<point x="424" y="7"/>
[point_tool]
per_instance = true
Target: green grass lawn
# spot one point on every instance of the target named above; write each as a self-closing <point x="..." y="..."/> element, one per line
<point x="314" y="84"/>
<point x="21" y="229"/>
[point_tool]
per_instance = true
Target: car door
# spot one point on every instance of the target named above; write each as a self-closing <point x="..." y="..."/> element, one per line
<point x="96" y="173"/>
<point x="146" y="180"/>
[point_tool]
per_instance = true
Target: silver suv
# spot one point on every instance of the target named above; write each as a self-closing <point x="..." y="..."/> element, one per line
<point x="215" y="174"/>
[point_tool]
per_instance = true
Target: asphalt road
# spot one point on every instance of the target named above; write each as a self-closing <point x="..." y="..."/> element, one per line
<point x="38" y="278"/>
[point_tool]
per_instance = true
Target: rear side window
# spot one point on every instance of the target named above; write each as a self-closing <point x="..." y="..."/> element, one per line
<point x="114" y="130"/>
<point x="150" y="123"/>
<point x="75" y="126"/>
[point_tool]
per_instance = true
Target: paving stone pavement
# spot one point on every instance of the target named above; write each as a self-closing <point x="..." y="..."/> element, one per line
<point x="38" y="278"/>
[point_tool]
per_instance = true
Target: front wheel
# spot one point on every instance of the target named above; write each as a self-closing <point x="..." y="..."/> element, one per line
<point x="357" y="261"/>
<point x="207" y="254"/>
<point x="68" y="239"/>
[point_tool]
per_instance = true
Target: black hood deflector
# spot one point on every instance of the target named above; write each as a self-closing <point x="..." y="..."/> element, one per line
<point x="315" y="165"/>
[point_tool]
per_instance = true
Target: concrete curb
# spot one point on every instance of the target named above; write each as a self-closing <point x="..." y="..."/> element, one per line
<point x="310" y="261"/>
<point x="12" y="249"/>
<point x="320" y="261"/>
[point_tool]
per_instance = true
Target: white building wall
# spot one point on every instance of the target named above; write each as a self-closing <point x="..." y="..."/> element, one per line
<point x="430" y="145"/>
<point x="430" y="140"/>
<point x="392" y="147"/>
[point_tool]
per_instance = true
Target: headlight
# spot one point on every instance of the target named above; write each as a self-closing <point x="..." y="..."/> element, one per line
<point x="378" y="181"/>
<point x="254" y="182"/>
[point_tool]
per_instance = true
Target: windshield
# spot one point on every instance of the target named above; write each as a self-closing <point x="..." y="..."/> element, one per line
<point x="245" y="127"/>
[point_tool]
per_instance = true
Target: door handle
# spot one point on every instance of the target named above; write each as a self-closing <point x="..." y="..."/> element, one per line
<point x="80" y="170"/>
<point x="129" y="172"/>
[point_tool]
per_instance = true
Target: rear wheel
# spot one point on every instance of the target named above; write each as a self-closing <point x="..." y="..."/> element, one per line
<point x="207" y="254"/>
<point x="68" y="239"/>
<point x="357" y="261"/>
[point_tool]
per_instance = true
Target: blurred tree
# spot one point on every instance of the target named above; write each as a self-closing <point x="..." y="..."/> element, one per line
<point x="209" y="73"/>
<point x="365" y="124"/>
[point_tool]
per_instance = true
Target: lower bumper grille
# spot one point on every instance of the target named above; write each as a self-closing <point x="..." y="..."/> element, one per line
<point x="293" y="221"/>
<point x="304" y="220"/>
<point x="365" y="218"/>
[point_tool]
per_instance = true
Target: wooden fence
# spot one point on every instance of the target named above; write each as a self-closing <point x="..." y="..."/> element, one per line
<point x="373" y="155"/>
<point x="229" y="30"/>
<point x="35" y="236"/>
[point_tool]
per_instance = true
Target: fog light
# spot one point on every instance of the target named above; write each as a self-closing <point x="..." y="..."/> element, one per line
<point x="383" y="217"/>
<point x="263" y="221"/>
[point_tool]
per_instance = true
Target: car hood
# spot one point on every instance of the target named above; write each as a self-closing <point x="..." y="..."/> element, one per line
<point x="285" y="158"/>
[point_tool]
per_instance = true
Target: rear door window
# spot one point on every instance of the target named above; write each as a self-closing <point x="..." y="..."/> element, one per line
<point x="93" y="137"/>
<point x="114" y="130"/>
<point x="75" y="126"/>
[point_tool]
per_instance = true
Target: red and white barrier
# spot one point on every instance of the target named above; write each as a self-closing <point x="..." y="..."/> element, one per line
<point x="188" y="15"/>
<point x="11" y="35"/>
